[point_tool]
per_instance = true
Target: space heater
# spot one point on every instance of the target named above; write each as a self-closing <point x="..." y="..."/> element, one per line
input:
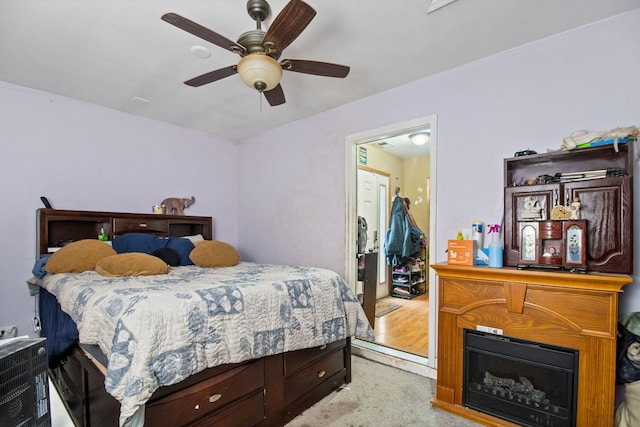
<point x="24" y="385"/>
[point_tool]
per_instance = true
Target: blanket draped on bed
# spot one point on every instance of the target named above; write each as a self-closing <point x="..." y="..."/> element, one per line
<point x="158" y="330"/>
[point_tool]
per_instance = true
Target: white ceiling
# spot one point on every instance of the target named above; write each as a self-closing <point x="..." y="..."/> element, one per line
<point x="119" y="54"/>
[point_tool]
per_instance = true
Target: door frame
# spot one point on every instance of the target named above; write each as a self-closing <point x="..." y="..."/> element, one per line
<point x="351" y="157"/>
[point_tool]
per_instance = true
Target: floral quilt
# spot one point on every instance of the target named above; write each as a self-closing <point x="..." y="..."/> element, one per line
<point x="158" y="330"/>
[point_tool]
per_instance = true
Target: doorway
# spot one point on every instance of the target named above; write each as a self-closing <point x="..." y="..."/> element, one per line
<point x="353" y="159"/>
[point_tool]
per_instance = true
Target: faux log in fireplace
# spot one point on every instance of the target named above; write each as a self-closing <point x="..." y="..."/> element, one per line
<point x="574" y="311"/>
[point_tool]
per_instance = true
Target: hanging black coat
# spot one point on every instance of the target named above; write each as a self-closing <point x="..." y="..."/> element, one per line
<point x="401" y="240"/>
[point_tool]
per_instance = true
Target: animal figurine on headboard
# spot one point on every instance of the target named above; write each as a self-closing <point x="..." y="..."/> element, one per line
<point x="176" y="206"/>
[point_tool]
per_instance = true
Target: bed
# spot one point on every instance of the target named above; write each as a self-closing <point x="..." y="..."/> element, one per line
<point x="242" y="345"/>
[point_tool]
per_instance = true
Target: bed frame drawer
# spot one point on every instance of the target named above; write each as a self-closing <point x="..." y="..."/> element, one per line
<point x="246" y="412"/>
<point x="256" y="393"/>
<point x="134" y="225"/>
<point x="314" y="374"/>
<point x="295" y="360"/>
<point x="205" y="398"/>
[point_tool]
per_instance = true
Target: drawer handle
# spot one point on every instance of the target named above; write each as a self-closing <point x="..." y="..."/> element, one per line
<point x="323" y="346"/>
<point x="143" y="225"/>
<point x="321" y="374"/>
<point x="214" y="398"/>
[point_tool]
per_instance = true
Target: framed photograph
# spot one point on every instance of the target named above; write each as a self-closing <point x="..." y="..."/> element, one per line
<point x="551" y="243"/>
<point x="533" y="205"/>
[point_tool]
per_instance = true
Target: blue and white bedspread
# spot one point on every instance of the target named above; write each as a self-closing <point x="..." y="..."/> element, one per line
<point x="158" y="330"/>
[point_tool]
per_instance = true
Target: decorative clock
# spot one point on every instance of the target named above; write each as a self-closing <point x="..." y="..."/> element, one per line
<point x="553" y="244"/>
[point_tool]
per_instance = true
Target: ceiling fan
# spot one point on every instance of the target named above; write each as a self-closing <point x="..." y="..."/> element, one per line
<point x="260" y="66"/>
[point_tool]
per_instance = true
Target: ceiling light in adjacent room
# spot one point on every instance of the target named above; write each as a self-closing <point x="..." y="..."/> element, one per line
<point x="420" y="138"/>
<point x="260" y="71"/>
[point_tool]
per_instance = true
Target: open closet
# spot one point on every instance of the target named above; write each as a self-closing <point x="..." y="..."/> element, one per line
<point x="405" y="251"/>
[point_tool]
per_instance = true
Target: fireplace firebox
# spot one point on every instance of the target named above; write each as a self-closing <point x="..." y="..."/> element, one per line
<point x="524" y="382"/>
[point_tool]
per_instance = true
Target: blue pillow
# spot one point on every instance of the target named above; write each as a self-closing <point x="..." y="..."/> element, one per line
<point x="182" y="246"/>
<point x="148" y="243"/>
<point x="135" y="242"/>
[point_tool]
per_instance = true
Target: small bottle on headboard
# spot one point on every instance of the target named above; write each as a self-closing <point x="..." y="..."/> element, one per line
<point x="102" y="236"/>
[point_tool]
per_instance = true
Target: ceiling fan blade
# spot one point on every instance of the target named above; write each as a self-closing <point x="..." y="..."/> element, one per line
<point x="202" y="32"/>
<point x="212" y="76"/>
<point x="289" y="23"/>
<point x="275" y="96"/>
<point x="315" y="67"/>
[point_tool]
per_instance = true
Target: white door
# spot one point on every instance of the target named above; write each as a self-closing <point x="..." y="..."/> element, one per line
<point x="372" y="205"/>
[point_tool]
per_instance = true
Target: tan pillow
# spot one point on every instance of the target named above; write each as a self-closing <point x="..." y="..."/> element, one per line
<point x="131" y="264"/>
<point x="78" y="256"/>
<point x="214" y="253"/>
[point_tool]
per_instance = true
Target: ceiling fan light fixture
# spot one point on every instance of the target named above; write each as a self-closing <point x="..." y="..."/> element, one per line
<point x="259" y="71"/>
<point x="420" y="138"/>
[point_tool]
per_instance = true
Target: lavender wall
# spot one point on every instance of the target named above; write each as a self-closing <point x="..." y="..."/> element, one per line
<point x="82" y="156"/>
<point x="529" y="97"/>
<point x="285" y="201"/>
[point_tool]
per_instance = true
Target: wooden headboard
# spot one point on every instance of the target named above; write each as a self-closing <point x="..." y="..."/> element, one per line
<point x="59" y="227"/>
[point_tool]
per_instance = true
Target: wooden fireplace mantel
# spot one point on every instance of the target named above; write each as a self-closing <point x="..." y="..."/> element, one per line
<point x="574" y="310"/>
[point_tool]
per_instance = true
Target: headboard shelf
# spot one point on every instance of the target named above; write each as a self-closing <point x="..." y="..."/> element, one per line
<point x="59" y="227"/>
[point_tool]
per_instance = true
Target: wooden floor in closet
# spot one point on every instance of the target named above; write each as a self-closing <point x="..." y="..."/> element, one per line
<point x="406" y="328"/>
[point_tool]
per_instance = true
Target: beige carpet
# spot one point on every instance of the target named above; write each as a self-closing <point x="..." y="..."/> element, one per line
<point x="381" y="396"/>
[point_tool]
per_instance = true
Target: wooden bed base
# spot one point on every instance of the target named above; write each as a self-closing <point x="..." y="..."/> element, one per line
<point x="263" y="392"/>
<point x="270" y="391"/>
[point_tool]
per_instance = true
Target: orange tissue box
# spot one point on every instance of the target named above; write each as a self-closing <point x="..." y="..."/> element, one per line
<point x="462" y="252"/>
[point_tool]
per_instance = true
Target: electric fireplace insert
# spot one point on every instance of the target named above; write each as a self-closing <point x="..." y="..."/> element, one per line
<point x="524" y="382"/>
